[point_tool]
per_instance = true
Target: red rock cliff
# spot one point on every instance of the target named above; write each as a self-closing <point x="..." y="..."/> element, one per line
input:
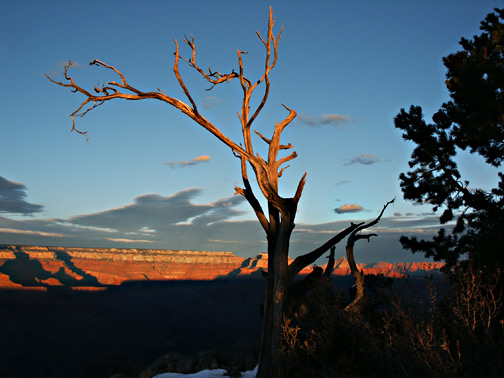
<point x="33" y="266"/>
<point x="22" y="265"/>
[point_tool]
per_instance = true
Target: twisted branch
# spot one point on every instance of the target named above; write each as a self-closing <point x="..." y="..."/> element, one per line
<point x="356" y="273"/>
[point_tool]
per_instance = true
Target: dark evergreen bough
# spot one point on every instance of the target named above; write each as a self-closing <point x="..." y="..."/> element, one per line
<point x="472" y="120"/>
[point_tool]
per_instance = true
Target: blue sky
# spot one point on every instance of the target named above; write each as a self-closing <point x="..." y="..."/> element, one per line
<point x="150" y="178"/>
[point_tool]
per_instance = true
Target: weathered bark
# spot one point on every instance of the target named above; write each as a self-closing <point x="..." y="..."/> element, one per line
<point x="358" y="277"/>
<point x="271" y="338"/>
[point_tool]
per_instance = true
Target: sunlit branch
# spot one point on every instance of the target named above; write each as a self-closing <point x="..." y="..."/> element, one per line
<point x="213" y="77"/>
<point x="268" y="141"/>
<point x="250" y="197"/>
<point x="179" y="78"/>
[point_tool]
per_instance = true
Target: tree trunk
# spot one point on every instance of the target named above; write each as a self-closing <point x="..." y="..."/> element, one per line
<point x="359" y="280"/>
<point x="270" y="365"/>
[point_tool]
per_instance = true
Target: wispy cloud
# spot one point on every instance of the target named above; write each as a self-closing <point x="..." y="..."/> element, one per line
<point x="158" y="212"/>
<point x="324" y="119"/>
<point x="411" y="215"/>
<point x="188" y="163"/>
<point x="364" y="159"/>
<point x="12" y="199"/>
<point x="349" y="208"/>
<point x="30" y="232"/>
<point x="238" y="242"/>
<point x="423" y="231"/>
<point x="345" y="181"/>
<point x="201" y="158"/>
<point x="119" y="240"/>
<point x="73" y="226"/>
<point x="211" y="102"/>
<point x="176" y="222"/>
<point x="312" y="231"/>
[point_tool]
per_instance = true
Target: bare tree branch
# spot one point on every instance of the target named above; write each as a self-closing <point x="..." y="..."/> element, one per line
<point x="330" y="263"/>
<point x="280" y="173"/>
<point x="275" y="140"/>
<point x="250" y="197"/>
<point x="271" y="39"/>
<point x="303" y="261"/>
<point x="357" y="274"/>
<point x="103" y="96"/>
<point x="179" y="78"/>
<point x="281" y="146"/>
<point x="213" y="77"/>
<point x="300" y="188"/>
<point x="372" y="223"/>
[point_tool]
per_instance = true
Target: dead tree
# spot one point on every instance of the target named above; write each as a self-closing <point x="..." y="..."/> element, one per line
<point x="356" y="273"/>
<point x="277" y="219"/>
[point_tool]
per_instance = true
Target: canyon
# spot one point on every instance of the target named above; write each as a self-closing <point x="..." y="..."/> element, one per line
<point x="85" y="312"/>
<point x="40" y="267"/>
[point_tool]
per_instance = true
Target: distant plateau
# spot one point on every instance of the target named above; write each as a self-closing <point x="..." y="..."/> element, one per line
<point x="94" y="268"/>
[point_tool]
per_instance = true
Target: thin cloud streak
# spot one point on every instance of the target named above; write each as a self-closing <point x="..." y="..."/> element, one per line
<point x="364" y="159"/>
<point x="402" y="231"/>
<point x="324" y="119"/>
<point x="211" y="102"/>
<point x="30" y="232"/>
<point x="119" y="240"/>
<point x="346" y="181"/>
<point x="311" y="231"/>
<point x="236" y="242"/>
<point x="188" y="163"/>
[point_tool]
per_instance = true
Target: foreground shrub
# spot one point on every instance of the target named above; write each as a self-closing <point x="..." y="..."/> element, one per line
<point x="436" y="329"/>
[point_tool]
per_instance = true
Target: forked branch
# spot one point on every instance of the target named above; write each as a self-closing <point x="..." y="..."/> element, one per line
<point x="303" y="261"/>
<point x="356" y="273"/>
<point x="250" y="197"/>
<point x="123" y="90"/>
<point x="212" y="77"/>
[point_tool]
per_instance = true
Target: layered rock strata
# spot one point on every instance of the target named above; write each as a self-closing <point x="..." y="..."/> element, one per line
<point x="35" y="266"/>
<point x="342" y="268"/>
<point x="43" y="266"/>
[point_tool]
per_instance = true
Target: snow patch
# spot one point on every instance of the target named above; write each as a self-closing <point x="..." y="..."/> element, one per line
<point x="215" y="373"/>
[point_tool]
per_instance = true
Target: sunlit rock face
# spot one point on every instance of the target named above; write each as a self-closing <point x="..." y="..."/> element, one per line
<point x="48" y="266"/>
<point x="254" y="265"/>
<point x="82" y="268"/>
<point x="341" y="268"/>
